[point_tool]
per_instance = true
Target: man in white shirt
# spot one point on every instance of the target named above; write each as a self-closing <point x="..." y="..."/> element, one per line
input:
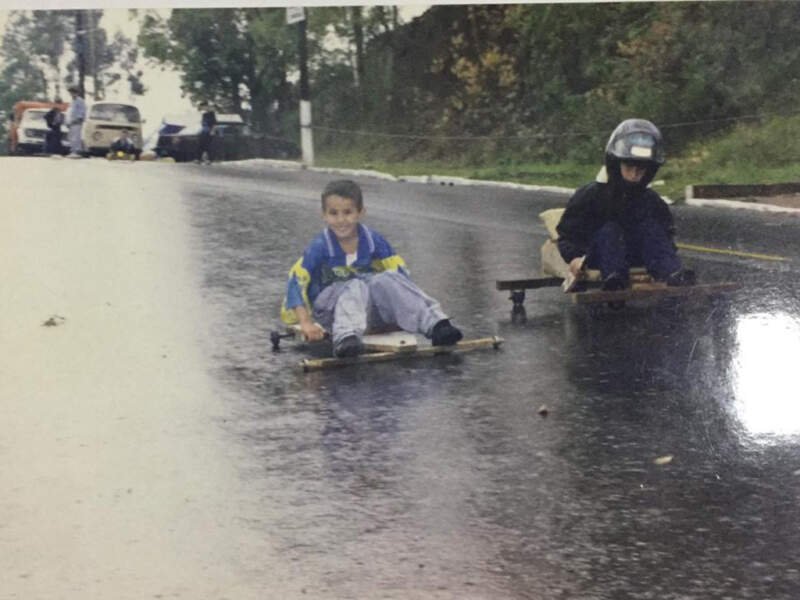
<point x="75" y="116"/>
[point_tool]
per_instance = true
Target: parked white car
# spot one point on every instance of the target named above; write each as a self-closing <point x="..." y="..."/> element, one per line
<point x="32" y="130"/>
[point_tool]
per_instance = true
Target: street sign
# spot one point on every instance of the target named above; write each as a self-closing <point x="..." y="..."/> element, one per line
<point x="295" y="14"/>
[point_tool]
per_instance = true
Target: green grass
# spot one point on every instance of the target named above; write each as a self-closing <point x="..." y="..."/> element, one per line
<point x="749" y="154"/>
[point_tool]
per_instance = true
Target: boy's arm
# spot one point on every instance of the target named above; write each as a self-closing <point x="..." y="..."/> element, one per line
<point x="311" y="330"/>
<point x="664" y="215"/>
<point x="297" y="305"/>
<point x="300" y="276"/>
<point x="571" y="229"/>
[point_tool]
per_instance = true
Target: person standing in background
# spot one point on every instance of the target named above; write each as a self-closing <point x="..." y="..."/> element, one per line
<point x="207" y="124"/>
<point x="75" y="117"/>
<point x="54" y="119"/>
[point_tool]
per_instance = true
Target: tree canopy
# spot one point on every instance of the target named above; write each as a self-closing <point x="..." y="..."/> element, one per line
<point x="542" y="80"/>
<point x="538" y="81"/>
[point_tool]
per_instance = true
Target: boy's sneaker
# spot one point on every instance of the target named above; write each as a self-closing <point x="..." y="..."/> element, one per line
<point x="445" y="334"/>
<point x="682" y="278"/>
<point x="614" y="282"/>
<point x="349" y="346"/>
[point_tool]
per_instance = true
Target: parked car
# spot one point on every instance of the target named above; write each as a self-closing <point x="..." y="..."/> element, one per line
<point x="232" y="139"/>
<point x="104" y="122"/>
<point x="27" y="130"/>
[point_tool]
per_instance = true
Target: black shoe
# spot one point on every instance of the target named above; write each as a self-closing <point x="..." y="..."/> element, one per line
<point x="349" y="346"/>
<point x="445" y="334"/>
<point x="681" y="278"/>
<point x="614" y="282"/>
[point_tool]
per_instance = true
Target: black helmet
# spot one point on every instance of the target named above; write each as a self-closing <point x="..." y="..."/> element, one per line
<point x="635" y="140"/>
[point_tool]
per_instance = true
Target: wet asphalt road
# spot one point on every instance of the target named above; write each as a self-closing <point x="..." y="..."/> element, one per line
<point x="439" y="478"/>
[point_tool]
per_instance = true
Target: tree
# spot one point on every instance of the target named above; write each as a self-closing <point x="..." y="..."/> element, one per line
<point x="37" y="44"/>
<point x="235" y="58"/>
<point x="49" y="36"/>
<point x="23" y="66"/>
<point x="554" y="79"/>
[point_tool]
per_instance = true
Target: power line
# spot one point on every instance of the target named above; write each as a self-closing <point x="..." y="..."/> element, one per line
<point x="538" y="136"/>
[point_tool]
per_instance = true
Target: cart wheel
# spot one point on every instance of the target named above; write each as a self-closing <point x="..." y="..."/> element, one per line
<point x="275" y="338"/>
<point x="517" y="297"/>
<point x="518" y="314"/>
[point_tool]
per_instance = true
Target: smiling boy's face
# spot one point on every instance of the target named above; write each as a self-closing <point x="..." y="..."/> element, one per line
<point x="342" y="216"/>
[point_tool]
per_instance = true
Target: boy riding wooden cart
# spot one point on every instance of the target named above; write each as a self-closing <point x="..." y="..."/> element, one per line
<point x="614" y="241"/>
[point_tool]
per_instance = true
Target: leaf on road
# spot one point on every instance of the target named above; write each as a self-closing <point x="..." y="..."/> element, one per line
<point x="53" y="321"/>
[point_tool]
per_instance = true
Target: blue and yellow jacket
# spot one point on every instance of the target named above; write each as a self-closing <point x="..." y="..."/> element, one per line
<point x="324" y="262"/>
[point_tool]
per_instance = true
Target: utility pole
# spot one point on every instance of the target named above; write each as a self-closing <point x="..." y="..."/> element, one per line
<point x="92" y="31"/>
<point x="296" y="14"/>
<point x="358" y="35"/>
<point x="80" y="48"/>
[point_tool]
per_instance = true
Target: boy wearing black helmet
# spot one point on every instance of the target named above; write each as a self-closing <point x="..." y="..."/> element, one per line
<point x="616" y="221"/>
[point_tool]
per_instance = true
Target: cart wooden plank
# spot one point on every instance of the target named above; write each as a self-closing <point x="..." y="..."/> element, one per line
<point x="316" y="364"/>
<point x="652" y="290"/>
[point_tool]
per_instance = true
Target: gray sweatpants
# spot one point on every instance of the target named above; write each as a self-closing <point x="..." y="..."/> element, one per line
<point x="377" y="300"/>
<point x="74" y="136"/>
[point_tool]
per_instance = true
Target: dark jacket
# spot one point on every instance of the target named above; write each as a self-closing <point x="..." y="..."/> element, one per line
<point x="208" y="121"/>
<point x="54" y="119"/>
<point x="597" y="203"/>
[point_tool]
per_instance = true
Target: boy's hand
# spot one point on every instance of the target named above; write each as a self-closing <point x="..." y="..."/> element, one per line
<point x="312" y="331"/>
<point x="576" y="266"/>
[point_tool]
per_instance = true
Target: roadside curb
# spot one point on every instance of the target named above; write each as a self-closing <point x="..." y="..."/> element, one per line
<point x="429" y="179"/>
<point x="738" y="204"/>
<point x="450" y="180"/>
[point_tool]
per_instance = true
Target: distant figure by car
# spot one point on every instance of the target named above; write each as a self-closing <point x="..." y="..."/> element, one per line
<point x="208" y="124"/>
<point x="179" y="139"/>
<point x="76" y="114"/>
<point x="28" y="129"/>
<point x="56" y="125"/>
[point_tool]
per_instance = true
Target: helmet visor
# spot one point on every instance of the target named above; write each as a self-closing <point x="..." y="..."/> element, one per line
<point x="635" y="146"/>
